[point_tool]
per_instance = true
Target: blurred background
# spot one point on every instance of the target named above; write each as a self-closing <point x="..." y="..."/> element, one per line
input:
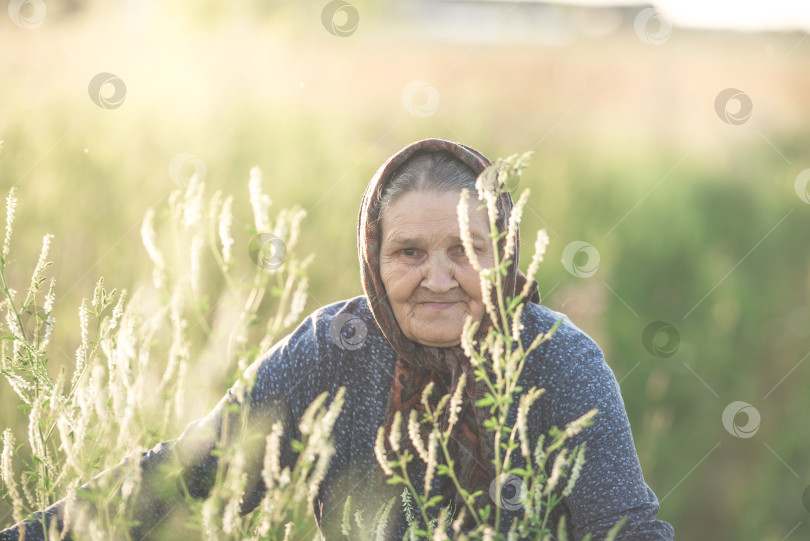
<point x="671" y="172"/>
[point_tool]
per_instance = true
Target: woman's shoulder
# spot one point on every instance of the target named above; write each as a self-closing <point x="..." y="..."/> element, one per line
<point x="352" y="308"/>
<point x="568" y="364"/>
<point x="319" y="353"/>
<point x="337" y="323"/>
<point x="346" y="325"/>
<point x="568" y="342"/>
<point x="329" y="333"/>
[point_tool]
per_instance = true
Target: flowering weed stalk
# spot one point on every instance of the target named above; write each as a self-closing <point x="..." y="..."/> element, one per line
<point x="127" y="387"/>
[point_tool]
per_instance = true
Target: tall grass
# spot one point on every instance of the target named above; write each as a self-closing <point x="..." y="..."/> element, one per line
<point x="127" y="388"/>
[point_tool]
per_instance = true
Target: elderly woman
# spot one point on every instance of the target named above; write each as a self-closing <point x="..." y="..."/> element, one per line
<point x="386" y="346"/>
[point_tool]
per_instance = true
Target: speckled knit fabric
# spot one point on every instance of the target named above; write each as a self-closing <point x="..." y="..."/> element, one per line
<point x="323" y="355"/>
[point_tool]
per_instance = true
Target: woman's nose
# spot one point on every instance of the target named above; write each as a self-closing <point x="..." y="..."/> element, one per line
<point x="438" y="274"/>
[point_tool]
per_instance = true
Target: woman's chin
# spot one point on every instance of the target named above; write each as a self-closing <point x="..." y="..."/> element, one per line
<point x="436" y="336"/>
<point x="437" y="326"/>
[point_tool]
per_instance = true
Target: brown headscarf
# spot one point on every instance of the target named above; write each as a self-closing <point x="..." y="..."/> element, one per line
<point x="417" y="364"/>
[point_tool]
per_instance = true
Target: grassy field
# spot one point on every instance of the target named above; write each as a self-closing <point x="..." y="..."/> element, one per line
<point x="698" y="223"/>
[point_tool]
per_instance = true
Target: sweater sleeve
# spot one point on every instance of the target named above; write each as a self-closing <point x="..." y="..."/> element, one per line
<point x="187" y="466"/>
<point x="611" y="485"/>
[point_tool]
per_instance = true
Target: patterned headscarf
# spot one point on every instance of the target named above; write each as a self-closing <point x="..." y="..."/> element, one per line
<point x="417" y="364"/>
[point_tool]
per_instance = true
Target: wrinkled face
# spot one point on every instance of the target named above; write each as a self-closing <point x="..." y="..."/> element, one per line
<point x="431" y="285"/>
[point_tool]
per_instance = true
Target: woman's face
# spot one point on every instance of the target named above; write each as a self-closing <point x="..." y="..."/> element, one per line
<point x="430" y="283"/>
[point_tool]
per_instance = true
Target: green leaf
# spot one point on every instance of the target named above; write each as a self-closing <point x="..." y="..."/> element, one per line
<point x="485" y="513"/>
<point x="433" y="501"/>
<point x="395" y="480"/>
<point x="491" y="423"/>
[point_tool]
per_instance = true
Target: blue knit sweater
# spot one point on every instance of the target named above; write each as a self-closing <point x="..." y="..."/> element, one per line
<point x="340" y="346"/>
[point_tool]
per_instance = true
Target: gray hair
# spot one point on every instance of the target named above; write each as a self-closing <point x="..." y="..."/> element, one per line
<point x="428" y="171"/>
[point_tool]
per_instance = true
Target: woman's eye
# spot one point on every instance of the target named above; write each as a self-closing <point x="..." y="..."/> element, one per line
<point x="409" y="252"/>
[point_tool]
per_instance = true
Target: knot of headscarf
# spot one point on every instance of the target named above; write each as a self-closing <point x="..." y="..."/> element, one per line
<point x="419" y="365"/>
